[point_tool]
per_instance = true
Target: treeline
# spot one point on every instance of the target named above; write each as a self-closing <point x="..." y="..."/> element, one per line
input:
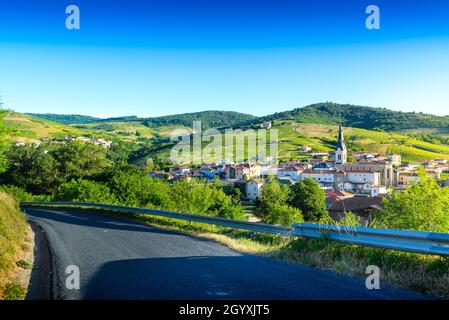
<point x="209" y="119"/>
<point x="362" y="117"/>
<point x="65" y="118"/>
<point x="78" y="171"/>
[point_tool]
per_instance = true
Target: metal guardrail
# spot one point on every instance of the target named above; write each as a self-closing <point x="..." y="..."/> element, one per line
<point x="224" y="222"/>
<point x="410" y="241"/>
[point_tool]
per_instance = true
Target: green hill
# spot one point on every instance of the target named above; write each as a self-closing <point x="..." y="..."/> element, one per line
<point x="209" y="119"/>
<point x="361" y="117"/>
<point x="65" y="118"/>
<point x="416" y="136"/>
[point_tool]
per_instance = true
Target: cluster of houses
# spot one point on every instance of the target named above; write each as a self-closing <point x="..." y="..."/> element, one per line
<point x="362" y="182"/>
<point x="96" y="141"/>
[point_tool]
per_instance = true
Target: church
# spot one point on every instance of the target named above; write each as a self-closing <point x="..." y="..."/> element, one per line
<point x="341" y="153"/>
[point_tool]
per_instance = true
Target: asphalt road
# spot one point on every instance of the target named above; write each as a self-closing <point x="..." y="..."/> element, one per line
<point x="121" y="259"/>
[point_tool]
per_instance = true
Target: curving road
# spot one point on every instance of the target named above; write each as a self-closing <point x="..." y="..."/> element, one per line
<point x="121" y="259"/>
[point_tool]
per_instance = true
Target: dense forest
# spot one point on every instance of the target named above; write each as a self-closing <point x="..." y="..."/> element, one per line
<point x="209" y="119"/>
<point x="65" y="118"/>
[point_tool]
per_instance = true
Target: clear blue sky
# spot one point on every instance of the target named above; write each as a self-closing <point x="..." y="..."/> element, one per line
<point x="151" y="58"/>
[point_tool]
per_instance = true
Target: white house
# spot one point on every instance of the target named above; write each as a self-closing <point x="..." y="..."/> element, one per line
<point x="293" y="173"/>
<point x="363" y="177"/>
<point x="253" y="188"/>
<point x="324" y="177"/>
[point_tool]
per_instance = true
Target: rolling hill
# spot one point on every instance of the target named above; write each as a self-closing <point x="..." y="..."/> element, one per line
<point x="362" y="117"/>
<point x="414" y="135"/>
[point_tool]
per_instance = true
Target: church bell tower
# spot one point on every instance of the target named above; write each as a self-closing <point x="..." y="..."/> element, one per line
<point x="341" y="154"/>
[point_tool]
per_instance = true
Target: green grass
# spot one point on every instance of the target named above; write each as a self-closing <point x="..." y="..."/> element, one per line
<point x="12" y="243"/>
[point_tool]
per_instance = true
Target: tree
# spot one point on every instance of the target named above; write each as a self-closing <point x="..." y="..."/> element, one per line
<point x="283" y="214"/>
<point x="85" y="191"/>
<point x="79" y="160"/>
<point x="134" y="188"/>
<point x="272" y="205"/>
<point x="423" y="206"/>
<point x="310" y="199"/>
<point x="273" y="193"/>
<point x="33" y="169"/>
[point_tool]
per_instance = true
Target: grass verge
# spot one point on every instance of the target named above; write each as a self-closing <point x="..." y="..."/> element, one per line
<point x="13" y="235"/>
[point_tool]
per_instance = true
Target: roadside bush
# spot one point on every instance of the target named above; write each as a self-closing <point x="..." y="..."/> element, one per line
<point x="85" y="191"/>
<point x="283" y="214"/>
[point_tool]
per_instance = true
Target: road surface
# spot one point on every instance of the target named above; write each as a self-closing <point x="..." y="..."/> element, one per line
<point x="121" y="259"/>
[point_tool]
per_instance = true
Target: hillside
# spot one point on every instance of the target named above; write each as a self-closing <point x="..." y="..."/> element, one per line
<point x="65" y="118"/>
<point x="25" y="128"/>
<point x="209" y="119"/>
<point x="416" y="136"/>
<point x="362" y="117"/>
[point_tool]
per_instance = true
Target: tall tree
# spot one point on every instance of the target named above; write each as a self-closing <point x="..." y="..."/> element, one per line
<point x="423" y="206"/>
<point x="310" y="199"/>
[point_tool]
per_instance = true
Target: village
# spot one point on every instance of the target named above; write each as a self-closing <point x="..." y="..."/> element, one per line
<point x="357" y="185"/>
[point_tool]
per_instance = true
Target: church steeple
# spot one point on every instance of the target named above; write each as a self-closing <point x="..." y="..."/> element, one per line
<point x="340" y="152"/>
<point x="341" y="139"/>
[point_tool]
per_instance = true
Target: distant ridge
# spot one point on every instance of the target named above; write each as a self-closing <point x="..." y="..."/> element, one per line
<point x="361" y="117"/>
<point x="323" y="113"/>
<point x="209" y="119"/>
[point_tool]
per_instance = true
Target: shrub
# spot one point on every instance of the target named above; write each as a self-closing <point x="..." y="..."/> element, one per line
<point x="85" y="191"/>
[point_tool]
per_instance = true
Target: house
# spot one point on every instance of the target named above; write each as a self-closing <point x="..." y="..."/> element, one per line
<point x="266" y="125"/>
<point x="322" y="166"/>
<point x="180" y="170"/>
<point x="407" y="178"/>
<point x="253" y="188"/>
<point x="388" y="175"/>
<point x="333" y="196"/>
<point x="267" y="169"/>
<point x="360" y="206"/>
<point x="395" y="159"/>
<point x="293" y="173"/>
<point x="324" y="177"/>
<point x="286" y="181"/>
<point x="241" y="171"/>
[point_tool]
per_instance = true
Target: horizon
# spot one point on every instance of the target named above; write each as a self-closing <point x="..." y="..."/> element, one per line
<point x="157" y="58"/>
<point x="220" y="110"/>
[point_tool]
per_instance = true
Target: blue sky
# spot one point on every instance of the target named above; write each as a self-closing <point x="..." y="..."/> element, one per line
<point x="151" y="58"/>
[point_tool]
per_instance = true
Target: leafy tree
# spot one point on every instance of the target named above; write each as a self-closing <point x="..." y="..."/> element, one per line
<point x="33" y="169"/>
<point x="272" y="205"/>
<point x="85" y="191"/>
<point x="273" y="193"/>
<point x="199" y="197"/>
<point x="423" y="206"/>
<point x="79" y="160"/>
<point x="283" y="214"/>
<point x="310" y="198"/>
<point x="133" y="188"/>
